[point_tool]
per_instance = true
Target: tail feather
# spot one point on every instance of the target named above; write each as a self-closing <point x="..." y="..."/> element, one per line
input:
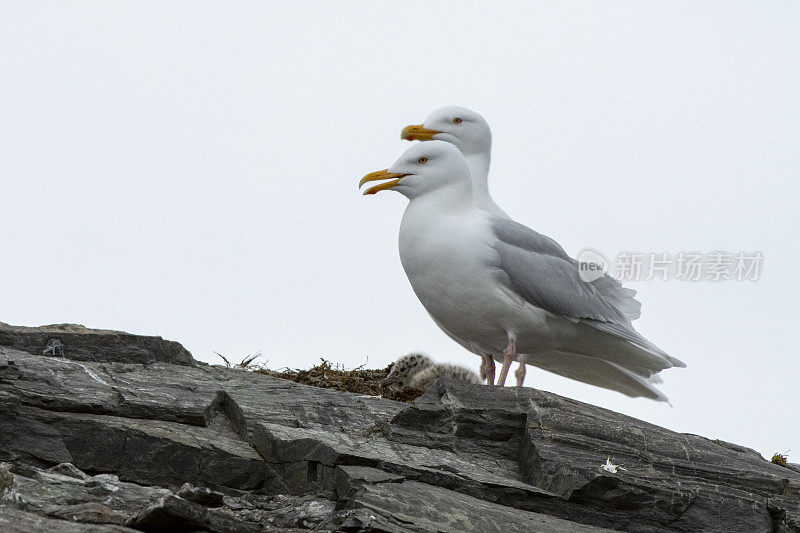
<point x="613" y="343"/>
<point x="597" y="372"/>
<point x="630" y="335"/>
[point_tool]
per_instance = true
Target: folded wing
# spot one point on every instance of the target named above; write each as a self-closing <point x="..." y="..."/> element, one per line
<point x="538" y="269"/>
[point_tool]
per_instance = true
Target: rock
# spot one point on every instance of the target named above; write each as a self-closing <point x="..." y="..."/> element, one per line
<point x="157" y="444"/>
<point x="203" y="496"/>
<point x="88" y="513"/>
<point x="9" y="371"/>
<point x="16" y="521"/>
<point x="172" y="514"/>
<point x="284" y="510"/>
<point x="6" y="479"/>
<point x="83" y="344"/>
<point x="69" y="470"/>
<point x="415" y="506"/>
<point x="53" y="494"/>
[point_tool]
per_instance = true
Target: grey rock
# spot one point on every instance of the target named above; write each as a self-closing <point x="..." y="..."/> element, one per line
<point x="173" y="514"/>
<point x="83" y="344"/>
<point x="50" y="493"/>
<point x="16" y="521"/>
<point x="88" y="513"/>
<point x="110" y="437"/>
<point x="70" y="470"/>
<point x="310" y="511"/>
<point x="413" y="506"/>
<point x="202" y="495"/>
<point x="6" y="478"/>
<point x="8" y="371"/>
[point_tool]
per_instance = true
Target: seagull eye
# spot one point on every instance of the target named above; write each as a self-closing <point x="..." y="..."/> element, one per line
<point x="457" y="120"/>
<point x="422" y="160"/>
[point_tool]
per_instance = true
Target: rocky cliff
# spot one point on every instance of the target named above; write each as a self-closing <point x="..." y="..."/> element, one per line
<point x="109" y="432"/>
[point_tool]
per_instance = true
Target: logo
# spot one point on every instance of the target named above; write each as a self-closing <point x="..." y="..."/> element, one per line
<point x="592" y="265"/>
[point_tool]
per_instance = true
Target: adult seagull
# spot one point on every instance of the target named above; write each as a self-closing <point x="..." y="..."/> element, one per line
<point x="503" y="288"/>
<point x="471" y="134"/>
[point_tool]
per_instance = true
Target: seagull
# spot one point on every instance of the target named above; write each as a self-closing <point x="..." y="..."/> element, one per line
<point x="471" y="134"/>
<point x="500" y="287"/>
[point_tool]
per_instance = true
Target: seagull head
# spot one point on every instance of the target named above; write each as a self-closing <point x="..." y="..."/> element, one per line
<point x="423" y="168"/>
<point x="457" y="125"/>
<point x="404" y="368"/>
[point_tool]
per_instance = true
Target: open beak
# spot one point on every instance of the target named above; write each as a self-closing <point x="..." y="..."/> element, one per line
<point x="418" y="133"/>
<point x="393" y="178"/>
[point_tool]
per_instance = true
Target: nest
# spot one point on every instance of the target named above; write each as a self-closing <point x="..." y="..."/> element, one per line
<point x="358" y="380"/>
<point x="779" y="459"/>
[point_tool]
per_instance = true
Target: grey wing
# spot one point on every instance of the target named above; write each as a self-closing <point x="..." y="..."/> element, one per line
<point x="539" y="270"/>
<point x="620" y="297"/>
<point x="515" y="234"/>
<point x="611" y="290"/>
<point x="536" y="268"/>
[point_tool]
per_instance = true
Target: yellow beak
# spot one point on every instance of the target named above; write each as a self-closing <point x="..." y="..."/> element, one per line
<point x="417" y="133"/>
<point x="380" y="175"/>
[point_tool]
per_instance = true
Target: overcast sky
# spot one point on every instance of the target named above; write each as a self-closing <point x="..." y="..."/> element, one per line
<point x="190" y="170"/>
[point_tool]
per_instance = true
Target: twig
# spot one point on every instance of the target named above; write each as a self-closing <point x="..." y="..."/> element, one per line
<point x="227" y="363"/>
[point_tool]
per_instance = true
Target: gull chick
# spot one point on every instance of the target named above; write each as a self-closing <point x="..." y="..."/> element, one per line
<point x="497" y="286"/>
<point x="417" y="370"/>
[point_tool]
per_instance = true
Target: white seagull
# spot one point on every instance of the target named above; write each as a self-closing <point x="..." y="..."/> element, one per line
<point x="471" y="134"/>
<point x="497" y="286"/>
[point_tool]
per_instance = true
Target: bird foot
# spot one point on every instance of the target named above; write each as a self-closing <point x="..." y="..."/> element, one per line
<point x="508" y="357"/>
<point x="520" y="374"/>
<point x="487" y="369"/>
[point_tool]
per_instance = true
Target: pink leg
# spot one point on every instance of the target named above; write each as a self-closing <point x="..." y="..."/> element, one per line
<point x="508" y="358"/>
<point x="487" y="368"/>
<point x="520" y="373"/>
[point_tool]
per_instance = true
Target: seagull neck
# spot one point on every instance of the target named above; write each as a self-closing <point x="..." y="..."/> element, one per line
<point x="450" y="197"/>
<point x="479" y="174"/>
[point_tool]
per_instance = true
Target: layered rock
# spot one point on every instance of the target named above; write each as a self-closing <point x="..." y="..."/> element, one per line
<point x="114" y="432"/>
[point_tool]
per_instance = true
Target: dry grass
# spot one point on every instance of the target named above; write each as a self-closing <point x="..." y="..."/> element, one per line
<point x="358" y="380"/>
<point x="779" y="459"/>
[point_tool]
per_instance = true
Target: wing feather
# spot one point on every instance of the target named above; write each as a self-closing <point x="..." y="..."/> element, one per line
<point x="538" y="269"/>
<point x="610" y="289"/>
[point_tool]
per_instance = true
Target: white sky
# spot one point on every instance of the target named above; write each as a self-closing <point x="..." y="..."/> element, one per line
<point x="189" y="170"/>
